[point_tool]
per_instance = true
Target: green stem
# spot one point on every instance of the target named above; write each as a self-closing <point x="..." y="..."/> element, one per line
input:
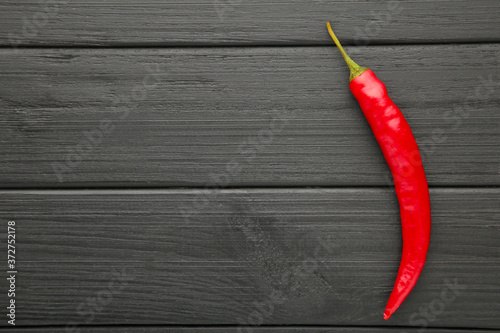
<point x="356" y="70"/>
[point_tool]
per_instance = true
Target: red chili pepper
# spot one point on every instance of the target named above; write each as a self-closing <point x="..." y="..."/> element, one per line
<point x="403" y="157"/>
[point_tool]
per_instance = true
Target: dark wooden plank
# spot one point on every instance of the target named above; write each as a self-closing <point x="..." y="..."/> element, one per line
<point x="322" y="257"/>
<point x="223" y="329"/>
<point x="238" y="22"/>
<point x="273" y="116"/>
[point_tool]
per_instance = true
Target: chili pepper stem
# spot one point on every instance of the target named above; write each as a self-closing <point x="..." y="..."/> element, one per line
<point x="355" y="69"/>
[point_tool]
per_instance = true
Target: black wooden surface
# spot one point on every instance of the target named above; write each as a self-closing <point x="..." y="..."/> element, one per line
<point x="332" y="255"/>
<point x="289" y="109"/>
<point x="245" y="22"/>
<point x="204" y="156"/>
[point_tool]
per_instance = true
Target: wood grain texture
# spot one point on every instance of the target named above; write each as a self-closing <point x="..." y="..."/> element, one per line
<point x="245" y="22"/>
<point x="225" y="329"/>
<point x="241" y="116"/>
<point x="322" y="257"/>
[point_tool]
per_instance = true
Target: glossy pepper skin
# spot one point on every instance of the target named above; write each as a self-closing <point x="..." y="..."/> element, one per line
<point x="401" y="152"/>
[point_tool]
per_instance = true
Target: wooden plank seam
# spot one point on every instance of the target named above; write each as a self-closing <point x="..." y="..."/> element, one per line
<point x="374" y="27"/>
<point x="243" y="22"/>
<point x="48" y="11"/>
<point x="246" y="152"/>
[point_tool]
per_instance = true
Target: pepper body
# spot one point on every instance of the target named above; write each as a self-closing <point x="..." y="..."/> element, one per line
<point x="401" y="152"/>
